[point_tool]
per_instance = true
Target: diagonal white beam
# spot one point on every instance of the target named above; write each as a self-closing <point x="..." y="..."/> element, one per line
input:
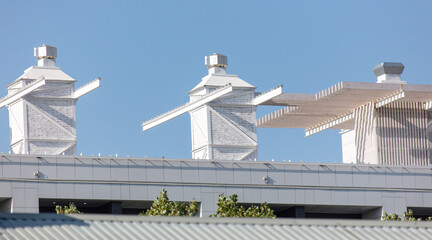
<point x="248" y="154"/>
<point x="86" y="88"/>
<point x="428" y="105"/>
<point x="21" y="93"/>
<point x="390" y="99"/>
<point x="267" y="95"/>
<point x="329" y="124"/>
<point x="186" y="107"/>
<point x="237" y="129"/>
<point x="49" y="118"/>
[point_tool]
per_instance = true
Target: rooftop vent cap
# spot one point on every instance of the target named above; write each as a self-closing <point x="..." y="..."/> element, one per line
<point x="46" y="55"/>
<point x="45" y="51"/>
<point x="388" y="68"/>
<point x="389" y="72"/>
<point x="216" y="60"/>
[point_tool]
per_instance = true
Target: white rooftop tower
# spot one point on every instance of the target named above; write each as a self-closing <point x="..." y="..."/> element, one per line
<point x="224" y="128"/>
<point x="41" y="105"/>
<point x="222" y="109"/>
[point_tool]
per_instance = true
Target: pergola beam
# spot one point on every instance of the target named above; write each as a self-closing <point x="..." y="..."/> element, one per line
<point x="86" y="88"/>
<point x="264" y="97"/>
<point x="390" y="99"/>
<point x="329" y="124"/>
<point x="21" y="93"/>
<point x="186" y="107"/>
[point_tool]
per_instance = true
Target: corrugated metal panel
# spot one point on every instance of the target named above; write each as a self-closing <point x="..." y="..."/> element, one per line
<point x="48" y="226"/>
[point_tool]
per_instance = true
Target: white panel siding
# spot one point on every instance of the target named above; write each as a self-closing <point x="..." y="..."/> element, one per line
<point x="402" y="134"/>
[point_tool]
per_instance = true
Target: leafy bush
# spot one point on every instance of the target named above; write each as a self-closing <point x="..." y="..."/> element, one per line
<point x="229" y="207"/>
<point x="407" y="216"/>
<point x="162" y="207"/>
<point x="72" y="209"/>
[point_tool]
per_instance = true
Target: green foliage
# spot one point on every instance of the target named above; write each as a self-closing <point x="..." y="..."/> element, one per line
<point x="390" y="217"/>
<point x="162" y="207"/>
<point x="72" y="209"/>
<point x="229" y="207"/>
<point x="407" y="216"/>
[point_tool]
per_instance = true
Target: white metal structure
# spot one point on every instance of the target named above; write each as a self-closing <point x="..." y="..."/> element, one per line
<point x="41" y="105"/>
<point x="387" y="122"/>
<point x="222" y="109"/>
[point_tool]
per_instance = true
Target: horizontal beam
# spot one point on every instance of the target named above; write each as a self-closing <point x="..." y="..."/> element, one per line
<point x="274" y="115"/>
<point x="86" y="88"/>
<point x="329" y="124"/>
<point x="389" y="99"/>
<point x="21" y="93"/>
<point x="264" y="97"/>
<point x="186" y="107"/>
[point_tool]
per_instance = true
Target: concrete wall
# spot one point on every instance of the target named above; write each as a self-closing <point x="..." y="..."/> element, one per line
<point x="394" y="188"/>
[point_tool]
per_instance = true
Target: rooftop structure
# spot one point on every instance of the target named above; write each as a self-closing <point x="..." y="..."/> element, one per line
<point x="387" y="122"/>
<point x="223" y="112"/>
<point x="41" y="105"/>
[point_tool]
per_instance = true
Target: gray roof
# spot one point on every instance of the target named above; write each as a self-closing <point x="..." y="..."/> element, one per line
<point x="88" y="226"/>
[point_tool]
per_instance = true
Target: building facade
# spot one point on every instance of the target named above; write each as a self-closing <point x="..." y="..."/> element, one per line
<point x="386" y="144"/>
<point x="37" y="183"/>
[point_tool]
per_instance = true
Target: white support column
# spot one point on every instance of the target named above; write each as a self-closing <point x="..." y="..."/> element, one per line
<point x="428" y="105"/>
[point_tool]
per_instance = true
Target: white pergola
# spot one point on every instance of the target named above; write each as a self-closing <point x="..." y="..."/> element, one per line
<point x="333" y="107"/>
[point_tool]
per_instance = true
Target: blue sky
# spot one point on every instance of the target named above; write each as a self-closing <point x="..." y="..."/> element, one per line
<point x="151" y="53"/>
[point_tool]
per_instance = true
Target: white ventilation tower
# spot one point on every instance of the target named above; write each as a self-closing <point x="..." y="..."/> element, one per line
<point x="41" y="106"/>
<point x="222" y="109"/>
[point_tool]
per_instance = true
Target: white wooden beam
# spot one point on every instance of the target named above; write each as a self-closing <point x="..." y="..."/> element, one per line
<point x="21" y="93"/>
<point x="186" y="107"/>
<point x="390" y="99"/>
<point x="86" y="88"/>
<point x="329" y="124"/>
<point x="267" y="95"/>
<point x="274" y="115"/>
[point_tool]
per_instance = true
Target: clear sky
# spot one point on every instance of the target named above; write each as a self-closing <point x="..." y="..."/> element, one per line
<point x="151" y="53"/>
